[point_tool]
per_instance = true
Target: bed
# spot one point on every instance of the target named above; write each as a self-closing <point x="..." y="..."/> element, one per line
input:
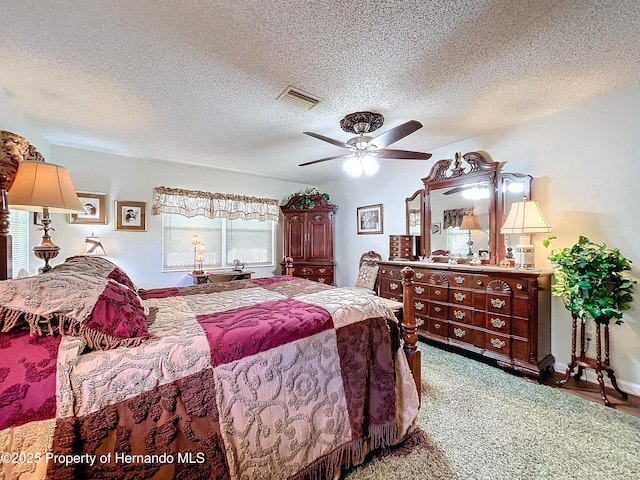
<point x="274" y="377"/>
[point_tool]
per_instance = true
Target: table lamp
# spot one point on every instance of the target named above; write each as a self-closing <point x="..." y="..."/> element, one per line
<point x="93" y="246"/>
<point x="469" y="222"/>
<point x="525" y="217"/>
<point x="44" y="187"/>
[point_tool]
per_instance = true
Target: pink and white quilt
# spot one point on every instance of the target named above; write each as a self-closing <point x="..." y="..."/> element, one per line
<point x="254" y="379"/>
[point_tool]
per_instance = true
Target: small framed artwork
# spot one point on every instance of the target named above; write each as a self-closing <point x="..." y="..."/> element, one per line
<point x="95" y="208"/>
<point x="131" y="216"/>
<point x="369" y="219"/>
<point x="436" y="229"/>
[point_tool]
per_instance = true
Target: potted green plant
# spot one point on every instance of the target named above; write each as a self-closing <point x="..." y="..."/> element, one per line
<point x="591" y="280"/>
<point x="308" y="198"/>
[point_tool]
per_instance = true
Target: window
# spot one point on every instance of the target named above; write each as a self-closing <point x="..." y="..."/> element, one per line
<point x="19" y="230"/>
<point x="457" y="240"/>
<point x="250" y="241"/>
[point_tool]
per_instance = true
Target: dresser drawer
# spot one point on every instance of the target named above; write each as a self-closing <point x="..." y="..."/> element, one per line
<point x="420" y="291"/>
<point x="461" y="314"/>
<point x="460" y="280"/>
<point x="497" y="303"/>
<point x="392" y="286"/>
<point x="438" y="310"/>
<point x="498" y="343"/>
<point x="439" y="293"/>
<point x="461" y="297"/>
<point x="421" y="307"/>
<point x="498" y="323"/>
<point x="461" y="333"/>
<point x="437" y="327"/>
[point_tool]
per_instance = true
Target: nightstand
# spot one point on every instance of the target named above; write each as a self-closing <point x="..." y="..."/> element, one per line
<point x="220" y="276"/>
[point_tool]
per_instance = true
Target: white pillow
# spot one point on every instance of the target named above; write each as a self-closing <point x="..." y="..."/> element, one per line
<point x="367" y="277"/>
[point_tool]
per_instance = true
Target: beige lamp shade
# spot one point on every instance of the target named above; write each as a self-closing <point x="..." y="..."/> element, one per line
<point x="41" y="185"/>
<point x="525" y="217"/>
<point x="469" y="222"/>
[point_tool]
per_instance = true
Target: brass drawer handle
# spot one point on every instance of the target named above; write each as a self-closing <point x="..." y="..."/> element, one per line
<point x="437" y="309"/>
<point x="419" y="322"/>
<point x="459" y="314"/>
<point x="419" y="306"/>
<point x="497" y="303"/>
<point x="436" y="326"/>
<point x="519" y="286"/>
<point x="497" y="343"/>
<point x="322" y="270"/>
<point x="458" y="332"/>
<point x="419" y="275"/>
<point x="479" y="282"/>
<point x="498" y="323"/>
<point x="393" y="286"/>
<point x="459" y="296"/>
<point x="321" y="280"/>
<point x="437" y="292"/>
<point x="459" y="280"/>
<point x="419" y="290"/>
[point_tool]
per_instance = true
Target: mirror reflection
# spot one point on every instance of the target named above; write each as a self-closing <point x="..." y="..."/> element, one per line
<point x="460" y="220"/>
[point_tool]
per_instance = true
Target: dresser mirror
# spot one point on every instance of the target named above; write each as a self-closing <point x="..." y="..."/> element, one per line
<point x="415" y="217"/>
<point x="461" y="193"/>
<point x="512" y="187"/>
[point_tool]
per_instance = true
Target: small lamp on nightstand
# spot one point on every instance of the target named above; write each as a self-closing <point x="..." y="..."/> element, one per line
<point x="525" y="217"/>
<point x="93" y="246"/>
<point x="44" y="187"/>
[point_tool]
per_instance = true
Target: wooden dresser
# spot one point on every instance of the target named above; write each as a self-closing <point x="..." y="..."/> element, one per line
<point x="308" y="239"/>
<point x="402" y="246"/>
<point x="501" y="313"/>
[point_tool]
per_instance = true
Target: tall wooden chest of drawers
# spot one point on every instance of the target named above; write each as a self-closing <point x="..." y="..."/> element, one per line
<point x="402" y="246"/>
<point x="501" y="313"/>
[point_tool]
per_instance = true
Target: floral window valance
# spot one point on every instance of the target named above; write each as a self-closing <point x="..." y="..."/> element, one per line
<point x="213" y="205"/>
<point x="453" y="217"/>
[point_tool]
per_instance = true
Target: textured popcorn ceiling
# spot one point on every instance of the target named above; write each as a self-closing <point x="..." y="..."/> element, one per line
<point x="197" y="81"/>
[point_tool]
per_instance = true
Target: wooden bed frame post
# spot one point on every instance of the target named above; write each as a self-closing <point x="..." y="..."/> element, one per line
<point x="409" y="327"/>
<point x="6" y="265"/>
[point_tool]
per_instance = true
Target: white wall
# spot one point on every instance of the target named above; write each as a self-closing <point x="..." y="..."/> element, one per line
<point x="133" y="179"/>
<point x="13" y="120"/>
<point x="586" y="168"/>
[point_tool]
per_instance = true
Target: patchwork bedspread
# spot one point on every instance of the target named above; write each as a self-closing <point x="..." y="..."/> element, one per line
<point x="269" y="378"/>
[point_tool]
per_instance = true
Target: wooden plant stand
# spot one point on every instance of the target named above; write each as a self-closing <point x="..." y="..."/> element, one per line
<point x="582" y="361"/>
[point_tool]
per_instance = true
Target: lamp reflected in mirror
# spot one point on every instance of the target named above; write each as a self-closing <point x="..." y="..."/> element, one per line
<point x="470" y="222"/>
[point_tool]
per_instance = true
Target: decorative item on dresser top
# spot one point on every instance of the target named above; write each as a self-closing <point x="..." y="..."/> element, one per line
<point x="403" y="247"/>
<point x="308" y="235"/>
<point x="501" y="313"/>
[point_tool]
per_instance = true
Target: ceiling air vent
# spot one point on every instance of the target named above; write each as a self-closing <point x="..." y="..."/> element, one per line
<point x="300" y="99"/>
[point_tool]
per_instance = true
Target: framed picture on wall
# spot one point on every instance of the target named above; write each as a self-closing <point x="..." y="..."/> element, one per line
<point x="436" y="229"/>
<point x="131" y="216"/>
<point x="95" y="206"/>
<point x="369" y="219"/>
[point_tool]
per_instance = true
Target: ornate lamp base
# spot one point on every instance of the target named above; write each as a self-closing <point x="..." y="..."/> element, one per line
<point x="46" y="253"/>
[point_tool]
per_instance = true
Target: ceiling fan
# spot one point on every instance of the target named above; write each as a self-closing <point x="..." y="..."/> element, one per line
<point x="363" y="149"/>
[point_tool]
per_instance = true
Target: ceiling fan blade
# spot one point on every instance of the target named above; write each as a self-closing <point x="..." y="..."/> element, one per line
<point x="396" y="133"/>
<point x="327" y="139"/>
<point x="402" y="154"/>
<point x="325" y="159"/>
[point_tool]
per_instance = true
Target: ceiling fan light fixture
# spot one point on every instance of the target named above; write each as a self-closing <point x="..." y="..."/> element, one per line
<point x="369" y="165"/>
<point x="353" y="167"/>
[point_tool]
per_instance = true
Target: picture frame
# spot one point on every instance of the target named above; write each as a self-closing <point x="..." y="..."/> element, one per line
<point x="95" y="205"/>
<point x="436" y="228"/>
<point x="131" y="216"/>
<point x="369" y="219"/>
